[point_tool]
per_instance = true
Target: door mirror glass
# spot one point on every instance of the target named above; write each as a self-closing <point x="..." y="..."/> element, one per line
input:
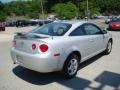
<point x="104" y="31"/>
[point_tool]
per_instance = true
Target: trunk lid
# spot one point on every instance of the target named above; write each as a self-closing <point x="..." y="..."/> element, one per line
<point x="24" y="42"/>
<point x="25" y="45"/>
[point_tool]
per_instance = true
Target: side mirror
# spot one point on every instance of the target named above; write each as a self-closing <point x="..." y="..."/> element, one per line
<point x="104" y="31"/>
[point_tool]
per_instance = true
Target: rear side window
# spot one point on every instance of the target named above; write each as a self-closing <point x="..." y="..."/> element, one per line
<point x="53" y="29"/>
<point x="78" y="32"/>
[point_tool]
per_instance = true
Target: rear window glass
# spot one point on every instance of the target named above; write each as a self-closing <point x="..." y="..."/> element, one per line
<point x="52" y="29"/>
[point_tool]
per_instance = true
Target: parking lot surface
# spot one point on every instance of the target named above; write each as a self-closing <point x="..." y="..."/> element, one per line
<point x="101" y="72"/>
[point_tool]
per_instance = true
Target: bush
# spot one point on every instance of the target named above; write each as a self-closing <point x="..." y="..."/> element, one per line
<point x="2" y="17"/>
<point x="34" y="15"/>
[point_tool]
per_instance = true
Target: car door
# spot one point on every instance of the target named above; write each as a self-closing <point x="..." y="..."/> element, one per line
<point x="96" y="38"/>
<point x="80" y="40"/>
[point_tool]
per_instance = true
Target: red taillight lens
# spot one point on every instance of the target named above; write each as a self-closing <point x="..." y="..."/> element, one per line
<point x="33" y="46"/>
<point x="43" y="47"/>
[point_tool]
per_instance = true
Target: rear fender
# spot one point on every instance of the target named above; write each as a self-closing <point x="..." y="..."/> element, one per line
<point x="65" y="55"/>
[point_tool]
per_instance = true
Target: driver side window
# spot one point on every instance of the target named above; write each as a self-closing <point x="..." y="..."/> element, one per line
<point x="91" y="29"/>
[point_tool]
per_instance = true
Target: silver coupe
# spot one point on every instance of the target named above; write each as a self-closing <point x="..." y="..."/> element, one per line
<point x="60" y="46"/>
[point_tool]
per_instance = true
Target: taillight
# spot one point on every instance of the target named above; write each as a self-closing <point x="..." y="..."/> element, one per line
<point x="33" y="46"/>
<point x="43" y="47"/>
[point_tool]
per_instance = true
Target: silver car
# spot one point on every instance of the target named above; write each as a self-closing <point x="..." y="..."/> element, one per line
<point x="60" y="46"/>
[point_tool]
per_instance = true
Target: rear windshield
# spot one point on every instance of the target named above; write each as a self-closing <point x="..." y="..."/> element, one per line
<point x="52" y="29"/>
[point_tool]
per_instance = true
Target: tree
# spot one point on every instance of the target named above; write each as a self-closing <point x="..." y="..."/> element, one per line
<point x="108" y="7"/>
<point x="1" y="6"/>
<point x="65" y="11"/>
<point x="92" y="9"/>
<point x="62" y="8"/>
<point x="2" y="17"/>
<point x="2" y="13"/>
<point x="34" y="15"/>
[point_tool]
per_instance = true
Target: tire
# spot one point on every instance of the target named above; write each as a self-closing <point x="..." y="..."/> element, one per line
<point x="71" y="66"/>
<point x="108" y="48"/>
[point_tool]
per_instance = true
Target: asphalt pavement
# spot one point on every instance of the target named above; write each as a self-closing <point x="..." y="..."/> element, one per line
<point x="101" y="72"/>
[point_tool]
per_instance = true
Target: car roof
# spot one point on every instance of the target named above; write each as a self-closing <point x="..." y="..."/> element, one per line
<point x="72" y="21"/>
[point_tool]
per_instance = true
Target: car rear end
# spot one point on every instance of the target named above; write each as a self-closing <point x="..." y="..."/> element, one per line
<point x="2" y="26"/>
<point x="33" y="53"/>
<point x="114" y="25"/>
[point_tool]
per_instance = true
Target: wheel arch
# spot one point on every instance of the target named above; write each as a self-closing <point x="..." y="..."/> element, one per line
<point x="111" y="40"/>
<point x="76" y="53"/>
<point x="73" y="52"/>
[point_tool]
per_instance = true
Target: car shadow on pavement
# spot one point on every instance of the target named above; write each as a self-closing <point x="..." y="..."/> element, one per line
<point x="91" y="60"/>
<point x="37" y="78"/>
<point x="47" y="78"/>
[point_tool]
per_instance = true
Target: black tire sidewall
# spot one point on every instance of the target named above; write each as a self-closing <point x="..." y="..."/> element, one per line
<point x="65" y="68"/>
<point x="107" y="51"/>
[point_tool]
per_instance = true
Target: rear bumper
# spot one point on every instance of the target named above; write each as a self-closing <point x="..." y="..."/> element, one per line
<point x="35" y="62"/>
<point x="114" y="28"/>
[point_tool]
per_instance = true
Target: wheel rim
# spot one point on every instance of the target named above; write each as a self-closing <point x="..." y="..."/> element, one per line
<point x="109" y="47"/>
<point x="72" y="66"/>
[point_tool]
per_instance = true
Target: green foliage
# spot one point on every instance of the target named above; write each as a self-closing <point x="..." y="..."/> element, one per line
<point x="92" y="10"/>
<point x="34" y="15"/>
<point x="2" y="17"/>
<point x="18" y="8"/>
<point x="65" y="11"/>
<point x="2" y="14"/>
<point x="31" y="8"/>
<point x="109" y="6"/>
<point x="1" y="6"/>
